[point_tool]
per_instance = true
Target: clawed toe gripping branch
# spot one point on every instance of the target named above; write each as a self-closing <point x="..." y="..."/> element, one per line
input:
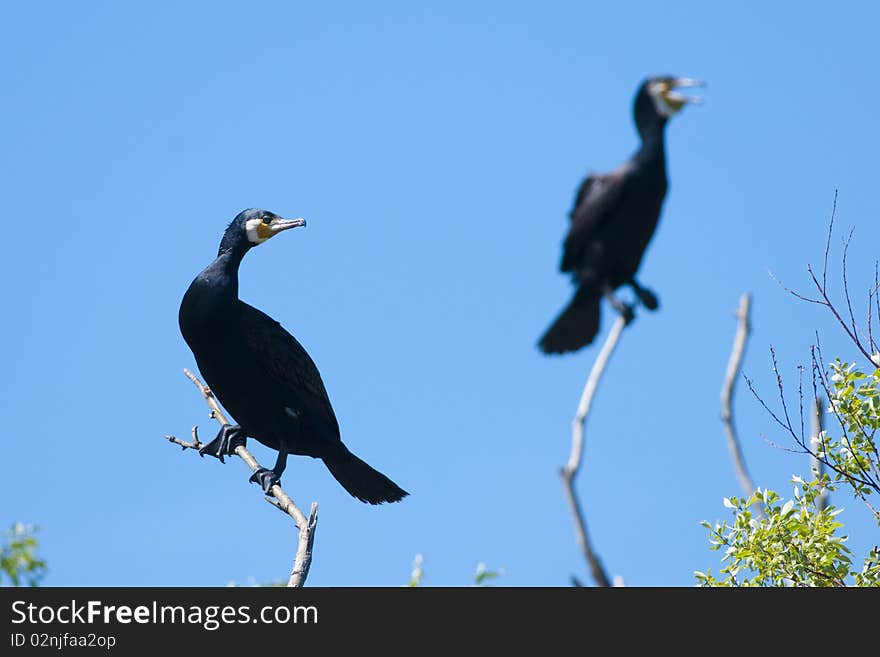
<point x="280" y="499"/>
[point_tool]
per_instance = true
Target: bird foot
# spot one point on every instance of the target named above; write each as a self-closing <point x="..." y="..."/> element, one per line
<point x="649" y="299"/>
<point x="228" y="438"/>
<point x="266" y="478"/>
<point x="628" y="312"/>
<point x="625" y="310"/>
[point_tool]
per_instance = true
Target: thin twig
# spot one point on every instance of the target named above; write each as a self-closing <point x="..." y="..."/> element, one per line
<point x="793" y="293"/>
<point x="876" y="291"/>
<point x="196" y="444"/>
<point x="281" y="500"/>
<point x="571" y="469"/>
<point x="846" y="294"/>
<point x="872" y="293"/>
<point x="734" y="365"/>
<point x="828" y="242"/>
<point x="782" y="393"/>
<point x="826" y="301"/>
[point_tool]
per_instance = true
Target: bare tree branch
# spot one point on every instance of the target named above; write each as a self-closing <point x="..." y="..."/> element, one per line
<point x="281" y="500"/>
<point x="734" y="366"/>
<point x="569" y="471"/>
<point x="824" y="299"/>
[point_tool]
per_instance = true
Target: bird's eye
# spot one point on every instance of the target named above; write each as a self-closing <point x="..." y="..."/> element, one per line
<point x="267" y="220"/>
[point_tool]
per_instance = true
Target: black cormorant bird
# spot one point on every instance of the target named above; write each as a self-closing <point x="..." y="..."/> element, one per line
<point x="613" y="219"/>
<point x="262" y="375"/>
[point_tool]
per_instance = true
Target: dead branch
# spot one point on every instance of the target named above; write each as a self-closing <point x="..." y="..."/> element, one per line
<point x="734" y="366"/>
<point x="569" y="471"/>
<point x="281" y="500"/>
<point x="816" y="463"/>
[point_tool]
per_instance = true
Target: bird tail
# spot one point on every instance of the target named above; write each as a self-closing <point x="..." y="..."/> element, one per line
<point x="362" y="481"/>
<point x="576" y="325"/>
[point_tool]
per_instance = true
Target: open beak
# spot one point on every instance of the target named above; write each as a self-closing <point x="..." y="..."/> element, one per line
<point x="678" y="99"/>
<point x="278" y="225"/>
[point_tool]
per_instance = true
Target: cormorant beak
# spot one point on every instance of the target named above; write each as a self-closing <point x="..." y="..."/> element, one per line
<point x="277" y="225"/>
<point x="677" y="100"/>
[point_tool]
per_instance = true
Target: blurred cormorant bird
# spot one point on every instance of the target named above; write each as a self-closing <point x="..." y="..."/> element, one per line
<point x="262" y="375"/>
<point x="613" y="219"/>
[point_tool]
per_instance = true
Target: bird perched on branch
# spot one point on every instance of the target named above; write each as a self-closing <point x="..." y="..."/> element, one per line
<point x="262" y="375"/>
<point x="613" y="219"/>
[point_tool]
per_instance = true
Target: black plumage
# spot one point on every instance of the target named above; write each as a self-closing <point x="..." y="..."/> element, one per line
<point x="613" y="219"/>
<point x="262" y="375"/>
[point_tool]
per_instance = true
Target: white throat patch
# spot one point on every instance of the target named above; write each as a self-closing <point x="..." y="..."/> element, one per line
<point x="252" y="233"/>
<point x="663" y="108"/>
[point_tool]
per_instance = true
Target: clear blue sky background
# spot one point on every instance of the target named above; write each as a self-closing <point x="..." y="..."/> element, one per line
<point x="435" y="150"/>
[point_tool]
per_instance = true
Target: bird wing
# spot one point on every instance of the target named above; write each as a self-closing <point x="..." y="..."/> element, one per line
<point x="287" y="363"/>
<point x="595" y="203"/>
<point x="583" y="191"/>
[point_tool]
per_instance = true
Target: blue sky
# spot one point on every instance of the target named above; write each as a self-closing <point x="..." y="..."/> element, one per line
<point x="434" y="150"/>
